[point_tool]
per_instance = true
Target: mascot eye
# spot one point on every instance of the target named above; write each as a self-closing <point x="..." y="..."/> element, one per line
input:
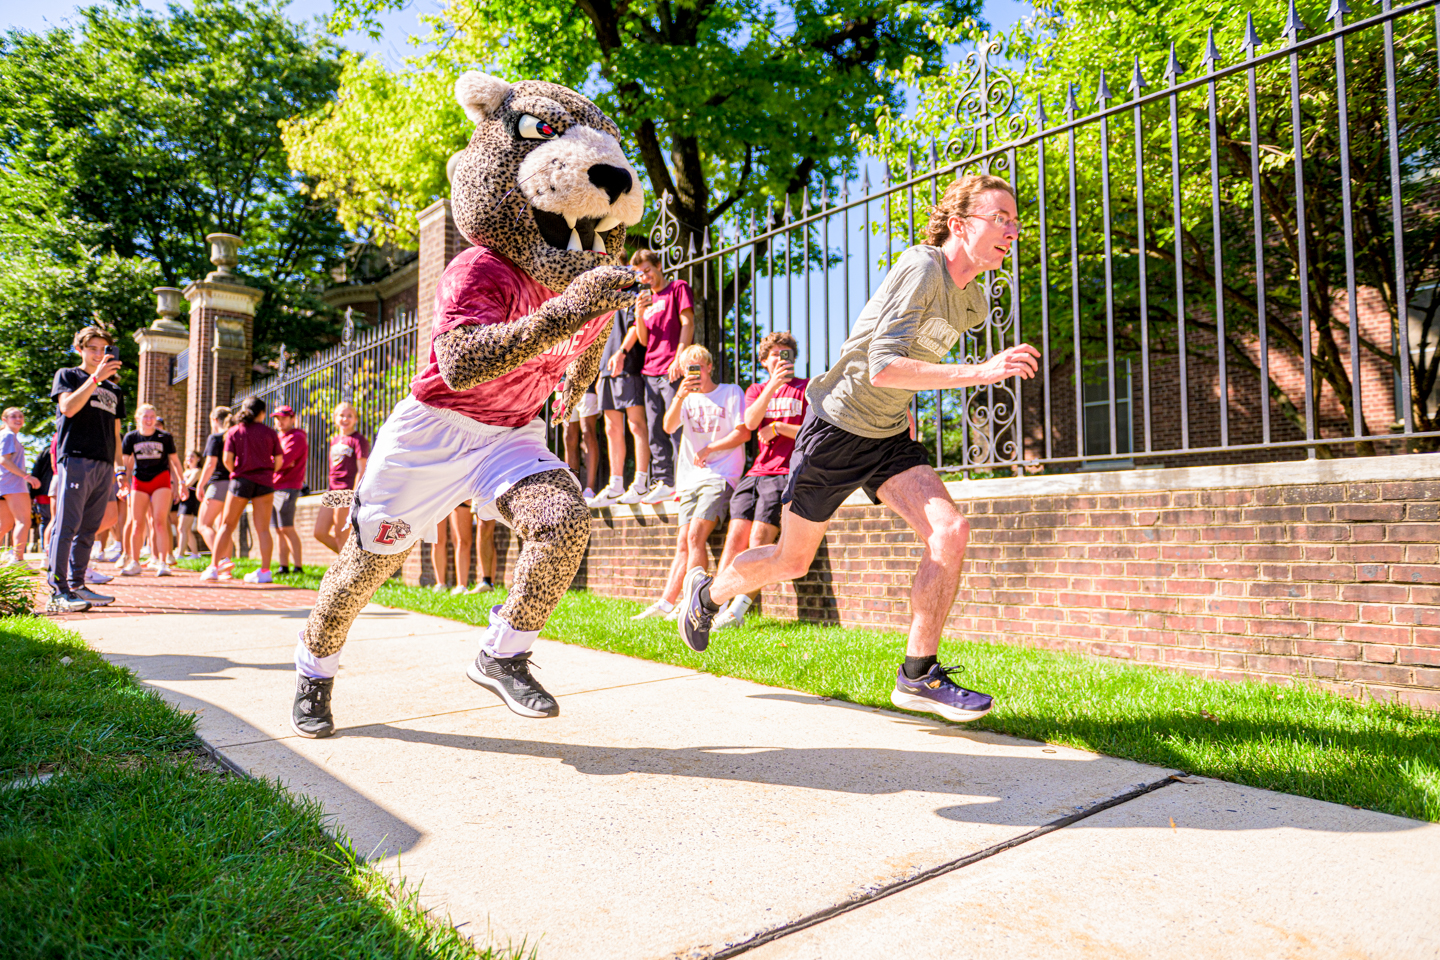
<point x="533" y="128"/>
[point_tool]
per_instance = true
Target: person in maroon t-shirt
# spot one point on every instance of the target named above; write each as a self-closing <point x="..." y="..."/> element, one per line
<point x="665" y="322"/>
<point x="289" y="480"/>
<point x="774" y="411"/>
<point x="349" y="452"/>
<point x="252" y="455"/>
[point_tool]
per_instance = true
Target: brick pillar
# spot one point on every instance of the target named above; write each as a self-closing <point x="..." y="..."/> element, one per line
<point x="160" y="343"/>
<point x="222" y="329"/>
<point x="440" y="241"/>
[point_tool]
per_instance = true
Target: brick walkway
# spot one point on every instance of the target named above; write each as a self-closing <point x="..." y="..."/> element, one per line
<point x="184" y="592"/>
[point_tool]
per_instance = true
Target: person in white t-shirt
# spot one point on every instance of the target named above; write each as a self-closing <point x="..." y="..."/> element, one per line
<point x="709" y="464"/>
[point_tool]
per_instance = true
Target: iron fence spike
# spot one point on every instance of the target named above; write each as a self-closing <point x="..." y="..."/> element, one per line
<point x="805" y="202"/>
<point x="1173" y="69"/>
<point x="788" y="215"/>
<point x="865" y="180"/>
<point x="1338" y="8"/>
<point x="691" y="251"/>
<point x="1102" y="94"/>
<point x="934" y="155"/>
<point x="1070" y="105"/>
<point x="1252" y="39"/>
<point x="1137" y="80"/>
<point x="705" y="241"/>
<point x="1212" y="55"/>
<point x="1040" y="112"/>
<point x="909" y="161"/>
<point x="1294" y="26"/>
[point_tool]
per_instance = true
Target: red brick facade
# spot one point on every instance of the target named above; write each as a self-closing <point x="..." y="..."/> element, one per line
<point x="440" y="241"/>
<point x="1321" y="571"/>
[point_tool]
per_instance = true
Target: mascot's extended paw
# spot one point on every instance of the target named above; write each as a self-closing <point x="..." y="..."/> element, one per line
<point x="337" y="498"/>
<point x="600" y="290"/>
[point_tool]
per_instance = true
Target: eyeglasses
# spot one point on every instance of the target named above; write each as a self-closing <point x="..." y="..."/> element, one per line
<point x="999" y="219"/>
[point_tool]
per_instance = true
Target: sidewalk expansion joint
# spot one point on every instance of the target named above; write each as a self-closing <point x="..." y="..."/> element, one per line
<point x="879" y="893"/>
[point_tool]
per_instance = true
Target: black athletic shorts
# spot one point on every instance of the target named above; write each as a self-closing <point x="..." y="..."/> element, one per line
<point x="283" y="514"/>
<point x="622" y="392"/>
<point x="829" y="464"/>
<point x="759" y="499"/>
<point x="249" y="489"/>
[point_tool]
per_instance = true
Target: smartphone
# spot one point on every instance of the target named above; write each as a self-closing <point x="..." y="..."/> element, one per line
<point x="112" y="351"/>
<point x="693" y="370"/>
<point x="787" y="355"/>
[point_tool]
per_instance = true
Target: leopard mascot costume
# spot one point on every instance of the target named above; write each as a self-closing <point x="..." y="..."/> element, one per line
<point x="545" y="193"/>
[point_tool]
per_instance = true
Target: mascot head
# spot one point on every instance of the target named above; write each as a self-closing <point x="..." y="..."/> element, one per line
<point x="544" y="181"/>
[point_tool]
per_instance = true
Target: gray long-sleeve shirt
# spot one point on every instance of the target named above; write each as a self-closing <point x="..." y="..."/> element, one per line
<point x="919" y="313"/>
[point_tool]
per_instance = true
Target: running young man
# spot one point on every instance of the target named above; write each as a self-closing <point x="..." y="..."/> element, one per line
<point x="857" y="434"/>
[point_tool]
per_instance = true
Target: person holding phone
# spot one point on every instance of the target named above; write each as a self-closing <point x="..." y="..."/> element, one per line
<point x="90" y="409"/>
<point x="665" y="328"/>
<point x="774" y="411"/>
<point x="857" y="434"/>
<point x="711" y="421"/>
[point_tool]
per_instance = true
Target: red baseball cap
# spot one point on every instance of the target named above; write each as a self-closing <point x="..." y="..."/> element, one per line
<point x="285" y="411"/>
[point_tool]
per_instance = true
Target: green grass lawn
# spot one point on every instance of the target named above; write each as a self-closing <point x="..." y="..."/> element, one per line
<point x="139" y="846"/>
<point x="1294" y="739"/>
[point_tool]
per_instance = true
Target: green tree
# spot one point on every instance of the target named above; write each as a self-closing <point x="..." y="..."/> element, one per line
<point x="1062" y="53"/>
<point x="725" y="104"/>
<point x="157" y="129"/>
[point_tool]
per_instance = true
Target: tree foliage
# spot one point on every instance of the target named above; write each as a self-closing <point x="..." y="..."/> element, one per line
<point x="154" y="129"/>
<point x="1062" y="53"/>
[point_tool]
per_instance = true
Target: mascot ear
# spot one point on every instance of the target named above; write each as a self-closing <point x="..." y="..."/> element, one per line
<point x="480" y="94"/>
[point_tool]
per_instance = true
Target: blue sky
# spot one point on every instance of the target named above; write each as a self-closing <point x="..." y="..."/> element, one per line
<point x="399" y="25"/>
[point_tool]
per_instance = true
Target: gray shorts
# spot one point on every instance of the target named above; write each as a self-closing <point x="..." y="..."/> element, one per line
<point x="707" y="500"/>
<point x="283" y="513"/>
<point x="217" y="489"/>
<point x="620" y="393"/>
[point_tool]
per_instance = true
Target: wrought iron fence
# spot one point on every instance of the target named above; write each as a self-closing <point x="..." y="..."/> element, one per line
<point x="1236" y="266"/>
<point x="371" y="369"/>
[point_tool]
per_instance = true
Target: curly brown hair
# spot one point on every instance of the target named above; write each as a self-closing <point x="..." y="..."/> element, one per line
<point x="958" y="201"/>
<point x="777" y="338"/>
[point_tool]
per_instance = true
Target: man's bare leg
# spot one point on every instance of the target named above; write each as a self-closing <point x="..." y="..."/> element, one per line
<point x="786" y="559"/>
<point x="920" y="497"/>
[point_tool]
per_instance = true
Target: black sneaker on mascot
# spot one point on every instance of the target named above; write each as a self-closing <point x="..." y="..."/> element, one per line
<point x="310" y="717"/>
<point x="509" y="679"/>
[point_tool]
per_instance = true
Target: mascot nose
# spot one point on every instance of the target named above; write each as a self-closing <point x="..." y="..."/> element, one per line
<point x="613" y="180"/>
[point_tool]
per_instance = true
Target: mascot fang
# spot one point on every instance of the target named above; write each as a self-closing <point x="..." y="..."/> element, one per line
<point x="545" y="194"/>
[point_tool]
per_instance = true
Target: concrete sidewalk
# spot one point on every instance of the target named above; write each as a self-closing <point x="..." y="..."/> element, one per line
<point x="667" y="813"/>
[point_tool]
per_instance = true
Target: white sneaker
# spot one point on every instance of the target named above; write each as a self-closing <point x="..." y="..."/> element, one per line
<point x="95" y="576"/>
<point x="459" y="591"/>
<point x="635" y="494"/>
<point x="660" y="608"/>
<point x="440" y="587"/>
<point x="259" y="576"/>
<point x="113" y="554"/>
<point x="733" y="615"/>
<point x="131" y="569"/>
<point x="674" y="613"/>
<point x="210" y="573"/>
<point x="162" y="570"/>
<point x="658" y="493"/>
<point x="610" y="494"/>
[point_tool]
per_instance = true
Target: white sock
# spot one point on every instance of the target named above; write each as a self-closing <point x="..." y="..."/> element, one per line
<point x="500" y="640"/>
<point x="665" y="605"/>
<point x="740" y="604"/>
<point x="617" y="483"/>
<point x="642" y="480"/>
<point x="316" y="668"/>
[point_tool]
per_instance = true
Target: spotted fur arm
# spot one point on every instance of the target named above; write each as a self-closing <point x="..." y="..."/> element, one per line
<point x="554" y="527"/>
<point x="578" y="377"/>
<point x="472" y="355"/>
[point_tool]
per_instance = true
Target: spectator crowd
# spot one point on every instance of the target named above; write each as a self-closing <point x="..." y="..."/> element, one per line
<point x="113" y="488"/>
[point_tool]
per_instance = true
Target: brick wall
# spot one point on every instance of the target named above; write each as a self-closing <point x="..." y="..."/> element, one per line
<point x="1320" y="570"/>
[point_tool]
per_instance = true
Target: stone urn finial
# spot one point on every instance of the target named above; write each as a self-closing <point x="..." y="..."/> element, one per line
<point x="167" y="305"/>
<point x="225" y="254"/>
